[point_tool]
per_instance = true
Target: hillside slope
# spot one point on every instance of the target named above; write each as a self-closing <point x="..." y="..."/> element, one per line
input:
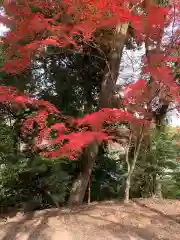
<point x="139" y="220"/>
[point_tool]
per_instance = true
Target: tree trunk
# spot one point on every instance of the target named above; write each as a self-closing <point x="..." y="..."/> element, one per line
<point x="127" y="189"/>
<point x="153" y="184"/>
<point x="158" y="187"/>
<point x="89" y="191"/>
<point x="111" y="72"/>
<point x="81" y="182"/>
<point x="105" y="101"/>
<point x="131" y="165"/>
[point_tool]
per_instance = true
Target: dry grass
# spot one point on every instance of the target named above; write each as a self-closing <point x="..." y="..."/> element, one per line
<point x="139" y="220"/>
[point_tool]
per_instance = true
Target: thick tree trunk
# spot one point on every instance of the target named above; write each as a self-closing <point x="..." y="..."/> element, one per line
<point x="81" y="182"/>
<point x="111" y="73"/>
<point x="105" y="101"/>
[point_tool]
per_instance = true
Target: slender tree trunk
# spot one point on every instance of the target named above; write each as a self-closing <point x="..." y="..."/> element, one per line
<point x="157" y="187"/>
<point x="105" y="101"/>
<point x="153" y="184"/>
<point x="127" y="189"/>
<point x="131" y="165"/>
<point x="128" y="179"/>
<point x="159" y="190"/>
<point x="89" y="191"/>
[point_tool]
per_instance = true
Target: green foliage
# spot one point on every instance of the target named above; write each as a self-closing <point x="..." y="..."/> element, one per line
<point x="31" y="180"/>
<point x="33" y="183"/>
<point x="158" y="163"/>
<point x="6" y="141"/>
<point x="164" y="152"/>
<point x="71" y="82"/>
<point x="107" y="178"/>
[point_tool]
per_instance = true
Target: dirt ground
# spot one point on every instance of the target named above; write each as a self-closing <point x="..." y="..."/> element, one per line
<point x="138" y="220"/>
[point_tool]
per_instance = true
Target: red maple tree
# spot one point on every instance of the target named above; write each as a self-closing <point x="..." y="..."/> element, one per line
<point x="67" y="24"/>
<point x="72" y="135"/>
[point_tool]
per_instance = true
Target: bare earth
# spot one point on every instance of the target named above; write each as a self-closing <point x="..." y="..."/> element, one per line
<point x="138" y="220"/>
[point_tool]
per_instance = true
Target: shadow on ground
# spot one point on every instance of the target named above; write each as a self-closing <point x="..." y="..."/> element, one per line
<point x="139" y="220"/>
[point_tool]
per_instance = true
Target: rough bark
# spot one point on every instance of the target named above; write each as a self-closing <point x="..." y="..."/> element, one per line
<point x="81" y="182"/>
<point x="111" y="73"/>
<point x="108" y="86"/>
